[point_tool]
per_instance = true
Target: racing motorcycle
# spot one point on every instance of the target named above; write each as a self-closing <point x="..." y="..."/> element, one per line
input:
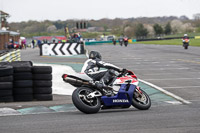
<point x="114" y="41"/>
<point x="125" y="41"/>
<point x="186" y="43"/>
<point x="124" y="93"/>
<point x="121" y="41"/>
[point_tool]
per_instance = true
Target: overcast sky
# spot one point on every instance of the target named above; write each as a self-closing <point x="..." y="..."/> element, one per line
<point x="24" y="10"/>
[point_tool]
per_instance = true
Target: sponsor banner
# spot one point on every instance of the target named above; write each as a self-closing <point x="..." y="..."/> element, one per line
<point x="197" y="37"/>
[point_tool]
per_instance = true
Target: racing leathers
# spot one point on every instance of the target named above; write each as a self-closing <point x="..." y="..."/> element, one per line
<point x="102" y="77"/>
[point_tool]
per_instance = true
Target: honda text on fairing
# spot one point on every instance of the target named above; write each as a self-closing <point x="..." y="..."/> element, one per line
<point x="124" y="93"/>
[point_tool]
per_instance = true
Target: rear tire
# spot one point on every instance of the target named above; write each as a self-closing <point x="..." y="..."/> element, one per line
<point x="84" y="104"/>
<point x="143" y="103"/>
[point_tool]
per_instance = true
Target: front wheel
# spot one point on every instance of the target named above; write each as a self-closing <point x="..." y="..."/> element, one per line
<point x="83" y="103"/>
<point x="141" y="100"/>
<point x="186" y="47"/>
<point x="126" y="44"/>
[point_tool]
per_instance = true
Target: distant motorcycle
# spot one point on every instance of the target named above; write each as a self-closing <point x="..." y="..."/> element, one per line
<point x="186" y="43"/>
<point x="125" y="39"/>
<point x="124" y="93"/>
<point x="114" y="41"/>
<point x="121" y="41"/>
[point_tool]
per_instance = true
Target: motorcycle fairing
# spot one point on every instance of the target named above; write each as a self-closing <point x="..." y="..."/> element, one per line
<point x="123" y="97"/>
<point x="123" y="80"/>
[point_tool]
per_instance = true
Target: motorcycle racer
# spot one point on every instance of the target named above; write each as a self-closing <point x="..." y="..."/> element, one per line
<point x="92" y="68"/>
<point x="185" y="37"/>
<point x="185" y="41"/>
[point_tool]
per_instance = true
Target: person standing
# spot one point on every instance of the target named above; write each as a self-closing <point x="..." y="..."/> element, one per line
<point x="33" y="44"/>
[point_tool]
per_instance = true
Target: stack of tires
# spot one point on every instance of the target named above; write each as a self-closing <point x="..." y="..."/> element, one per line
<point x="42" y="83"/>
<point x="23" y="83"/>
<point x="6" y="83"/>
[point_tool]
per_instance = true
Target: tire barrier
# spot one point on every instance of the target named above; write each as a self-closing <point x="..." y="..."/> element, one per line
<point x="42" y="83"/>
<point x="6" y="83"/>
<point x="21" y="81"/>
<point x="11" y="56"/>
<point x="62" y="49"/>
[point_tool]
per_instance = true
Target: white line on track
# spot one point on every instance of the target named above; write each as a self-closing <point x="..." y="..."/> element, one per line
<point x="166" y="92"/>
<point x="174" y="102"/>
<point x="177" y="87"/>
<point x="182" y="68"/>
<point x="175" y="79"/>
<point x="161" y="74"/>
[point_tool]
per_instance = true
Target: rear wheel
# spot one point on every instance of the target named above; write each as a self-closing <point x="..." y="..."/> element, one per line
<point x="141" y="100"/>
<point x="126" y="44"/>
<point x="83" y="103"/>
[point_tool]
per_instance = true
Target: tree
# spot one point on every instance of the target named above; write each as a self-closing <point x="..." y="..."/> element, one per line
<point x="105" y="27"/>
<point x="59" y="25"/>
<point x="168" y="29"/>
<point x="158" y="29"/>
<point x="51" y="28"/>
<point x="140" y="31"/>
<point x="176" y="26"/>
<point x="129" y="31"/>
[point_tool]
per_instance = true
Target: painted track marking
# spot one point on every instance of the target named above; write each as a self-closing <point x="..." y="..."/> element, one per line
<point x="189" y="61"/>
<point x="166" y="92"/>
<point x="174" y="79"/>
<point x="177" y="87"/>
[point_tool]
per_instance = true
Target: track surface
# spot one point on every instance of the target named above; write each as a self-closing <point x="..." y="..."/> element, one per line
<point x="170" y="67"/>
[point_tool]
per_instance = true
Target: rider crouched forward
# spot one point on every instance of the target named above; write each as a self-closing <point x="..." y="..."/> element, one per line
<point x="102" y="78"/>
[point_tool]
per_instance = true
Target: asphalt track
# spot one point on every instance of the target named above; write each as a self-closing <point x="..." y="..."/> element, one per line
<point x="169" y="67"/>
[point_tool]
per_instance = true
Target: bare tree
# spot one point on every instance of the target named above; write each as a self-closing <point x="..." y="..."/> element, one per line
<point x="51" y="28"/>
<point x="176" y="26"/>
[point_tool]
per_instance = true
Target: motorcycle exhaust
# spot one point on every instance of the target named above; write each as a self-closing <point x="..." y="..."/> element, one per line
<point x="73" y="81"/>
<point x="79" y="83"/>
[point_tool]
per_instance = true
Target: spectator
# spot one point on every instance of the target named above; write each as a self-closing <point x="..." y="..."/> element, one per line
<point x="33" y="44"/>
<point x="54" y="41"/>
<point x="39" y="43"/>
<point x="23" y="44"/>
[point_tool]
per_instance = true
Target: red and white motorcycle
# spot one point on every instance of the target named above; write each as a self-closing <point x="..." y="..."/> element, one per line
<point x="124" y="93"/>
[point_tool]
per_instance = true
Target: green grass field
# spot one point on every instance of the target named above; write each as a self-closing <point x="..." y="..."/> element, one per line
<point x="193" y="42"/>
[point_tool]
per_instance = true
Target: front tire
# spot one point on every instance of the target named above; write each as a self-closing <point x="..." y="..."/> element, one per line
<point x="142" y="101"/>
<point x="84" y="104"/>
<point x="186" y="47"/>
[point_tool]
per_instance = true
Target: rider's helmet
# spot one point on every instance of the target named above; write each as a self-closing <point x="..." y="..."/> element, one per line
<point x="185" y="35"/>
<point x="94" y="55"/>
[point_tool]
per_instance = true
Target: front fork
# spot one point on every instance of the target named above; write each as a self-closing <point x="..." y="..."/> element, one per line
<point x="138" y="92"/>
<point x="138" y="89"/>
